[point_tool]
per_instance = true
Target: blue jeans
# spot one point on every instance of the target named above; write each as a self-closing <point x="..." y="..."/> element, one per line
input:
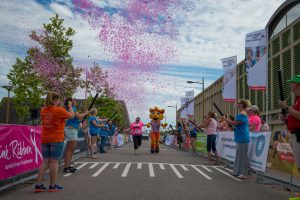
<point x="102" y="143"/>
<point x="53" y="150"/>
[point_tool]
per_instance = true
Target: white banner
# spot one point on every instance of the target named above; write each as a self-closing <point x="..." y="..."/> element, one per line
<point x="120" y="140"/>
<point x="184" y="102"/>
<point x="258" y="148"/>
<point x="229" y="79"/>
<point x="190" y="104"/>
<point x="256" y="59"/>
<point x="169" y="139"/>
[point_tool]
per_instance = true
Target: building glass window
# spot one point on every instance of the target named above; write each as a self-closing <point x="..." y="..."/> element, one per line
<point x="287" y="19"/>
<point x="280" y="26"/>
<point x="293" y="14"/>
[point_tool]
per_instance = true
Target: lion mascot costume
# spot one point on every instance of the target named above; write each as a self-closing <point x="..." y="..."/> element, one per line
<point x="156" y="115"/>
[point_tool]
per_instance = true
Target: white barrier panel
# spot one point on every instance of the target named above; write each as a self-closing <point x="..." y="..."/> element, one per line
<point x="120" y="140"/>
<point x="258" y="148"/>
<point x="169" y="140"/>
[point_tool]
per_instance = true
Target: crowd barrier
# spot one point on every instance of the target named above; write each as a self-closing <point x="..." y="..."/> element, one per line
<point x="120" y="140"/>
<point x="258" y="146"/>
<point x="269" y="152"/>
<point x="280" y="156"/>
<point x="20" y="151"/>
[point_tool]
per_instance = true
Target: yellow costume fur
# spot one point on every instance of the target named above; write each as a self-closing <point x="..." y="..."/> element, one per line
<point x="156" y="115"/>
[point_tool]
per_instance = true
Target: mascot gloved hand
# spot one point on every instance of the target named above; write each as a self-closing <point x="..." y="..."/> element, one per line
<point x="156" y="115"/>
<point x="164" y="125"/>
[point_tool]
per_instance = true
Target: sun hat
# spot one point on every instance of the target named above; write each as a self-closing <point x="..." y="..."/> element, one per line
<point x="254" y="108"/>
<point x="295" y="79"/>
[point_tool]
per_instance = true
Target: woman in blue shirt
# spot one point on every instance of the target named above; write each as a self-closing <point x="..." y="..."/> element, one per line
<point x="193" y="136"/>
<point x="179" y="134"/>
<point x="104" y="132"/>
<point x="241" y="137"/>
<point x="71" y="134"/>
<point x="94" y="129"/>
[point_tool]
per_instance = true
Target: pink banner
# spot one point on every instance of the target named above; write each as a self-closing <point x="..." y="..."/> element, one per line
<point x="20" y="149"/>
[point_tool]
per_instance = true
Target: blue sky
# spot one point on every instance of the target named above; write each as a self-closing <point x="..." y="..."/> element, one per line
<point x="213" y="30"/>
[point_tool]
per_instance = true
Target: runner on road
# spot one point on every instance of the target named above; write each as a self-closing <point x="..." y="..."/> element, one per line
<point x="136" y="132"/>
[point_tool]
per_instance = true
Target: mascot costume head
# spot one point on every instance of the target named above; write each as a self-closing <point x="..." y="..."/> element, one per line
<point x="156" y="115"/>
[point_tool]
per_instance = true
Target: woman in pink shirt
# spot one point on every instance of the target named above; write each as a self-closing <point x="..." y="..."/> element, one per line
<point x="254" y="118"/>
<point x="136" y="132"/>
<point x="210" y="128"/>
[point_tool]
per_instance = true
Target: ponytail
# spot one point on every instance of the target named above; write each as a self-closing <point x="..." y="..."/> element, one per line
<point x="51" y="97"/>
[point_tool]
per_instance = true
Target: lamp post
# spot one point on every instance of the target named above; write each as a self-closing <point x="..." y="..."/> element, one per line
<point x="202" y="83"/>
<point x="9" y="88"/>
<point x="175" y="111"/>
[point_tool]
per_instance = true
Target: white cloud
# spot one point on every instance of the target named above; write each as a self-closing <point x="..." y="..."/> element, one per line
<point x="61" y="10"/>
<point x="217" y="29"/>
<point x="213" y="30"/>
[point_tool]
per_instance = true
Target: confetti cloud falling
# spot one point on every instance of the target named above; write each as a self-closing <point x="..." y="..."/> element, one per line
<point x="140" y="36"/>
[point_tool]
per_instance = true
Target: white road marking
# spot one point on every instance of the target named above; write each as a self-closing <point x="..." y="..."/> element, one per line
<point x="139" y="166"/>
<point x="206" y="168"/>
<point x="116" y="165"/>
<point x="176" y="171"/>
<point x="146" y="163"/>
<point x="100" y="170"/>
<point x="146" y="149"/>
<point x="230" y="170"/>
<point x="94" y="165"/>
<point x="162" y="167"/>
<point x="227" y="174"/>
<point x="201" y="172"/>
<point x="126" y="170"/>
<point x="151" y="170"/>
<point x="79" y="167"/>
<point x="184" y="168"/>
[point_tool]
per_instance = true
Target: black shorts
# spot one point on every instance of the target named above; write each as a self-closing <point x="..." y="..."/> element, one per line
<point x="179" y="139"/>
<point x="297" y="133"/>
<point x="137" y="141"/>
<point x="211" y="143"/>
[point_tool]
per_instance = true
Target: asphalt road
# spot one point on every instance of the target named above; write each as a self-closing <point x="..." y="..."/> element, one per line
<point x="171" y="174"/>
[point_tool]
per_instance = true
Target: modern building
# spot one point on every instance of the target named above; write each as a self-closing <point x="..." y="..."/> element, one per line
<point x="284" y="54"/>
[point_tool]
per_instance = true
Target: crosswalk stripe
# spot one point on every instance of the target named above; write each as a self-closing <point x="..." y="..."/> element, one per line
<point x="151" y="170"/>
<point x="79" y="167"/>
<point x="126" y="170"/>
<point x="227" y="174"/>
<point x="139" y="166"/>
<point x="184" y="168"/>
<point x="201" y="172"/>
<point x="94" y="165"/>
<point x="176" y="171"/>
<point x="206" y="168"/>
<point x="162" y="167"/>
<point x="100" y="170"/>
<point x="230" y="170"/>
<point x="116" y="165"/>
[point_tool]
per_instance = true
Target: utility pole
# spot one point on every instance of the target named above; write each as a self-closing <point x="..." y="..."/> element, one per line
<point x="9" y="88"/>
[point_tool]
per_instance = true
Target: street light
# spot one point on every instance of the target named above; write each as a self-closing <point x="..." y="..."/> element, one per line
<point x="202" y="83"/>
<point x="9" y="88"/>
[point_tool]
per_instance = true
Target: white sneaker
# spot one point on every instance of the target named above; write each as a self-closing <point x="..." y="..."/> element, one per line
<point x="135" y="152"/>
<point x="242" y="176"/>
